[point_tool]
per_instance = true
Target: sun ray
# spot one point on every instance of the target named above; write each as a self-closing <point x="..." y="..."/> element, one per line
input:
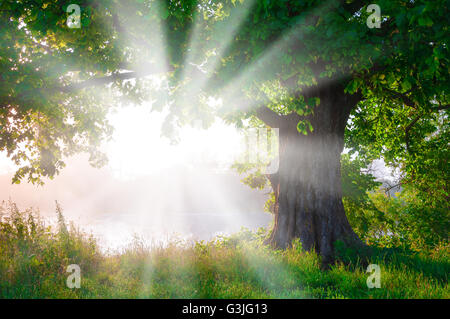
<point x="231" y="90"/>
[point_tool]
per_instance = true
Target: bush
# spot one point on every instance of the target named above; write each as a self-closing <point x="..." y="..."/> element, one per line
<point x="31" y="250"/>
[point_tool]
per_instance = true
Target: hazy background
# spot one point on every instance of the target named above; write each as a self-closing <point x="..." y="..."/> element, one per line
<point x="174" y="200"/>
<point x="150" y="187"/>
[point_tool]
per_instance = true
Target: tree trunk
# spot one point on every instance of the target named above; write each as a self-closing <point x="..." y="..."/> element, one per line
<point x="307" y="186"/>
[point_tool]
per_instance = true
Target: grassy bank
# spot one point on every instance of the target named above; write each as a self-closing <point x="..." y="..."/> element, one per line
<point x="34" y="258"/>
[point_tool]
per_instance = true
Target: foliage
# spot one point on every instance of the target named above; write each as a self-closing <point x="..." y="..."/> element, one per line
<point x="357" y="182"/>
<point x="402" y="221"/>
<point x="33" y="256"/>
<point x="405" y="220"/>
<point x="250" y="53"/>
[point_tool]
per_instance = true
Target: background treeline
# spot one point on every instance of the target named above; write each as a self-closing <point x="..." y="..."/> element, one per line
<point x="416" y="217"/>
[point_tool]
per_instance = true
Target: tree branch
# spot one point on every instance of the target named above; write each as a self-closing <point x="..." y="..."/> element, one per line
<point x="269" y="117"/>
<point x="388" y="189"/>
<point x="5" y="100"/>
<point x="416" y="119"/>
<point x="108" y="79"/>
<point x="148" y="70"/>
<point x="408" y="128"/>
<point x="441" y="107"/>
<point x="353" y="7"/>
<point x="400" y="96"/>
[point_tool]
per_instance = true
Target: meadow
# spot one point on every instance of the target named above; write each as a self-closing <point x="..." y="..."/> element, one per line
<point x="34" y="257"/>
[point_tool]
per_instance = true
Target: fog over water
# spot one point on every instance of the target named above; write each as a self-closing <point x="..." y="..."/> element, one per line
<point x="197" y="204"/>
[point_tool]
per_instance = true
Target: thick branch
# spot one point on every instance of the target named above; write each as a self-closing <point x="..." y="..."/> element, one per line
<point x="269" y="117"/>
<point x="7" y="100"/>
<point x="404" y="98"/>
<point x="108" y="79"/>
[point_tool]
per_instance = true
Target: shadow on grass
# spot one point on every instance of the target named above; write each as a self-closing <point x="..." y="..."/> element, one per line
<point x="433" y="267"/>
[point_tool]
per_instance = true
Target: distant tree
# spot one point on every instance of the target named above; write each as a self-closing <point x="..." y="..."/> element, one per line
<point x="304" y="67"/>
<point x="357" y="182"/>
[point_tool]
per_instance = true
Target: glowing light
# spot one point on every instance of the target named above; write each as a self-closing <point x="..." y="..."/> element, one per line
<point x="137" y="148"/>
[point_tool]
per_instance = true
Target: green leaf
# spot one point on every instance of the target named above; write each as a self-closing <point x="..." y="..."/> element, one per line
<point x="303" y="127"/>
<point x="406" y="85"/>
<point x="425" y="21"/>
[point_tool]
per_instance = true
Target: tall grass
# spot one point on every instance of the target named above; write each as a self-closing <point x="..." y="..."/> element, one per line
<point x="34" y="257"/>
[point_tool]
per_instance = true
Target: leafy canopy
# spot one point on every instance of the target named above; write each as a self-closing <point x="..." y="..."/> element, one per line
<point x="271" y="55"/>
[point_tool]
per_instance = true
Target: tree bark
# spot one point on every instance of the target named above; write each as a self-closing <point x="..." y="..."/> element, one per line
<point x="307" y="186"/>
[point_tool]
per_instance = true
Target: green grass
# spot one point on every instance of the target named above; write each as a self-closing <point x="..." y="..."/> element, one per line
<point x="34" y="258"/>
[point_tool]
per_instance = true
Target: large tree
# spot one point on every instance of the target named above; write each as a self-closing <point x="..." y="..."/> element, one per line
<point x="310" y="68"/>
